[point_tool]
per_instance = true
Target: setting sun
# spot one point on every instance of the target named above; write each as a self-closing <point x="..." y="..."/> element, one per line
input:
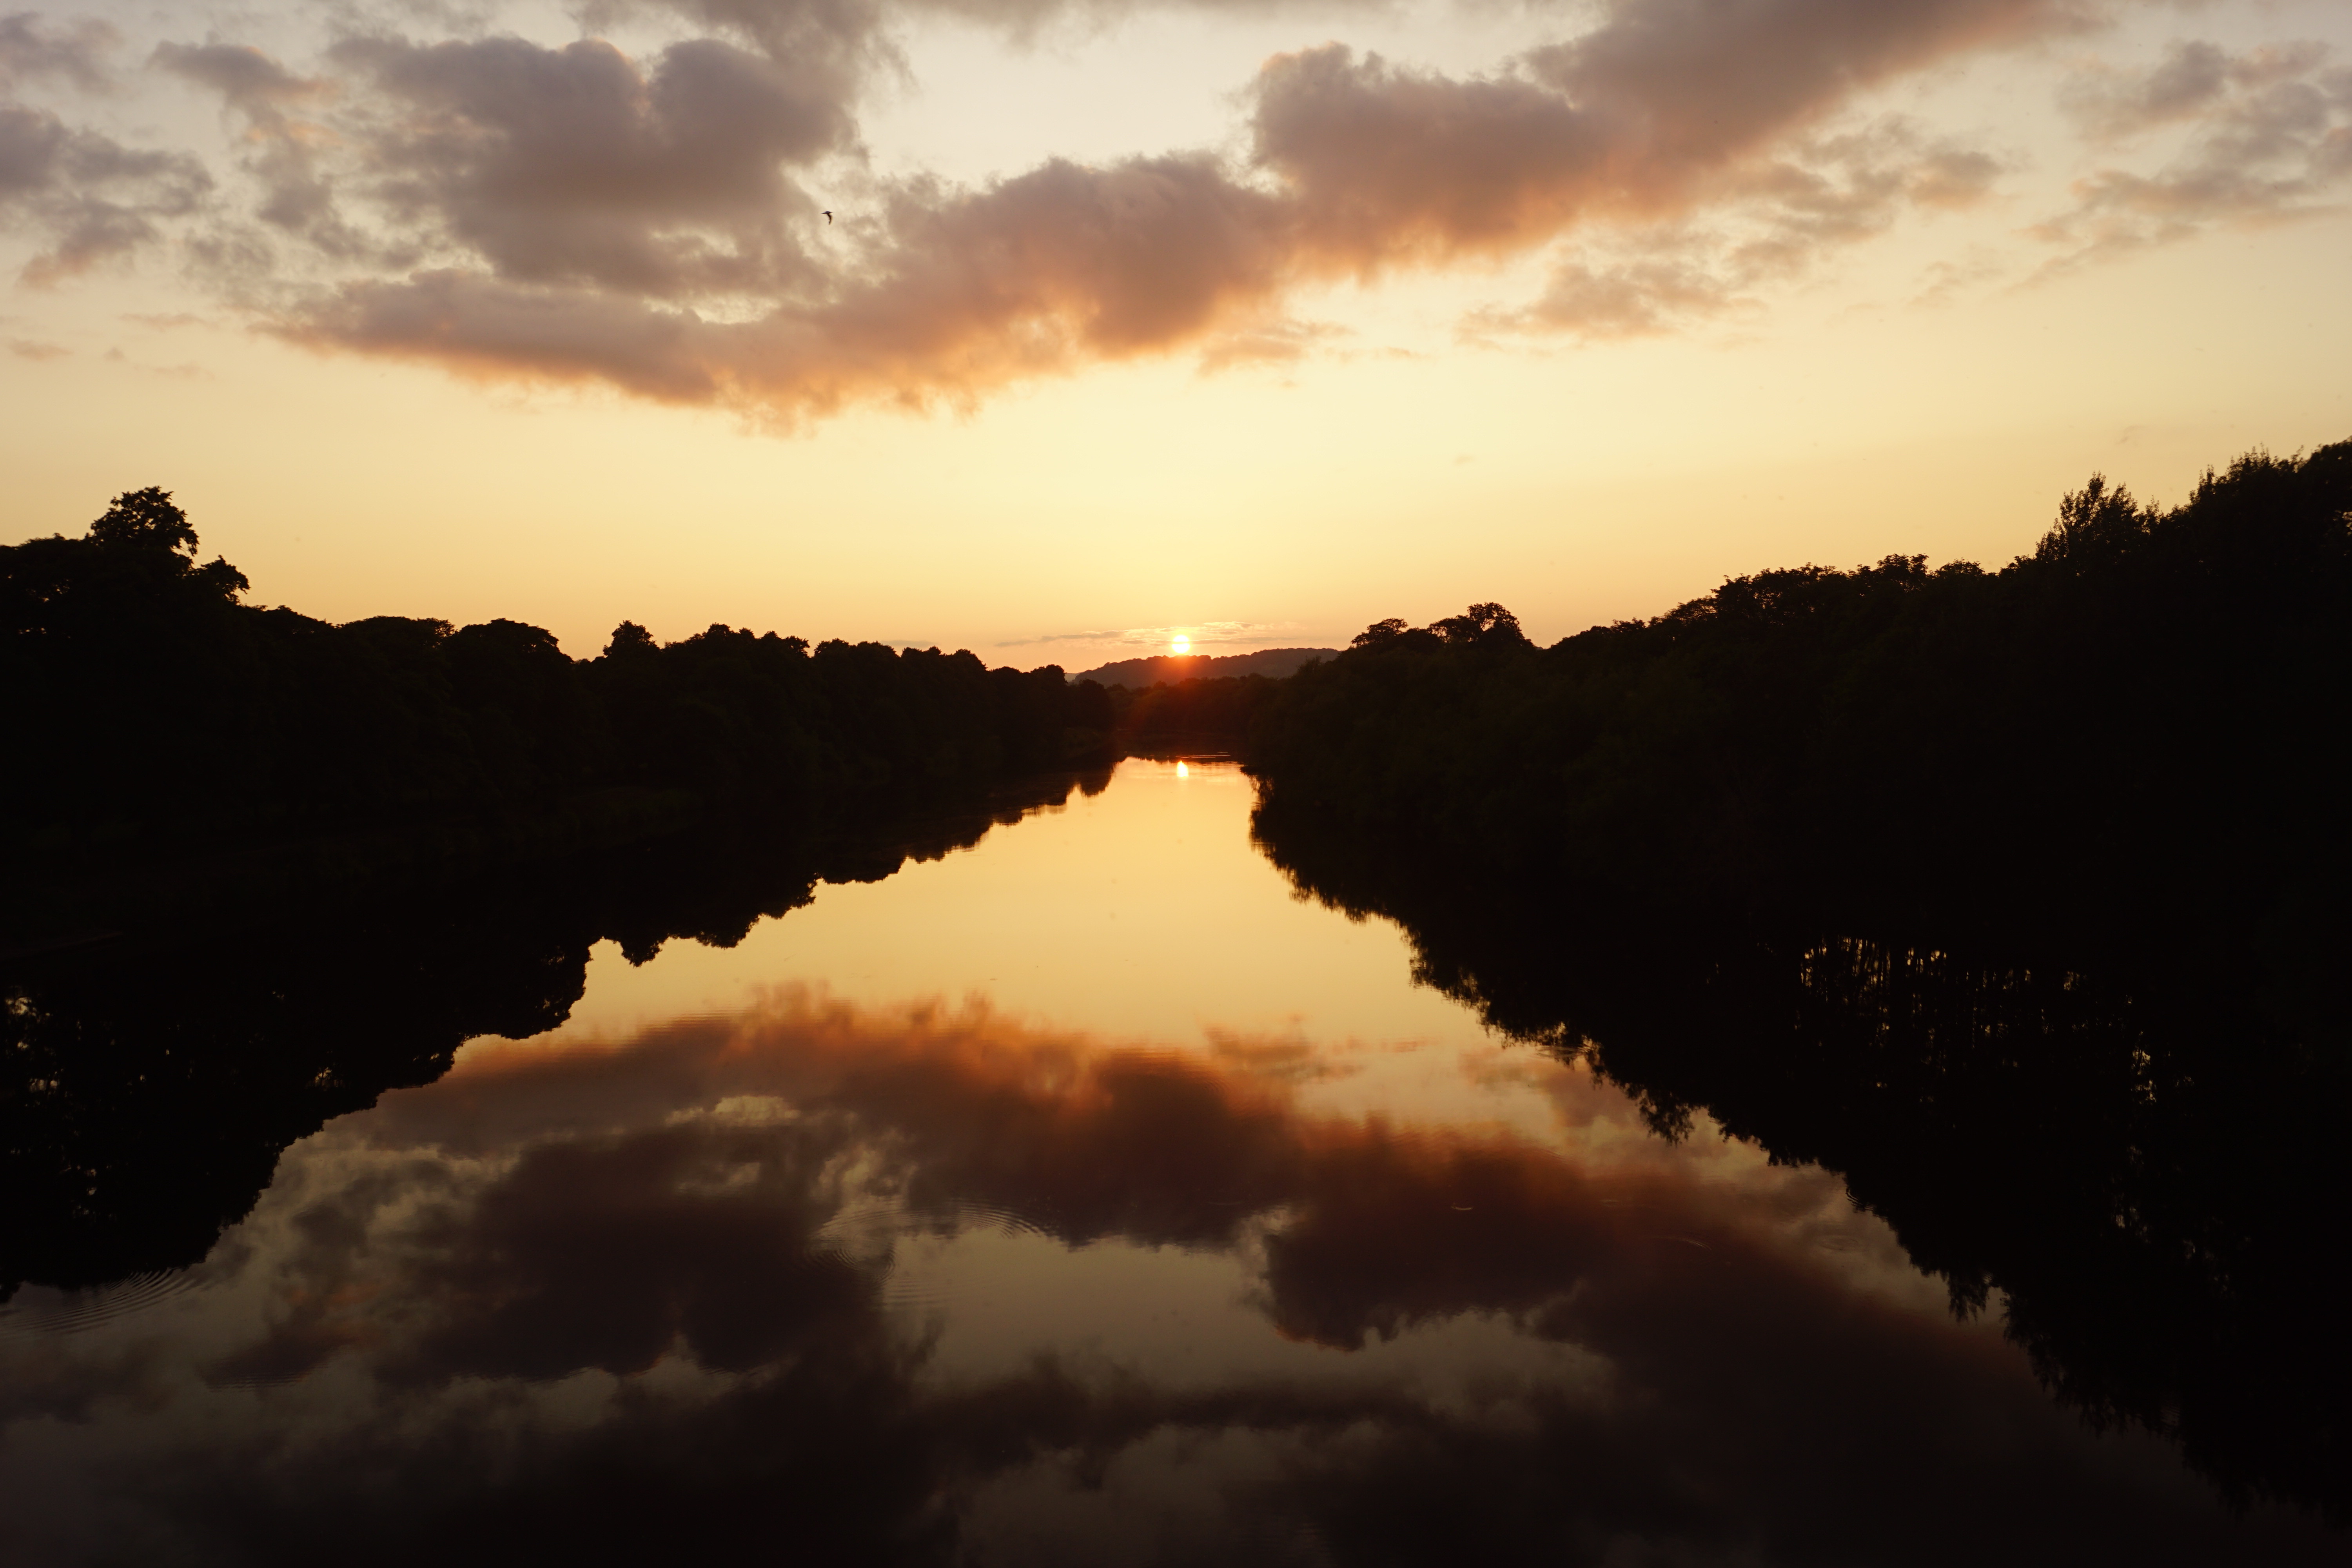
<point x="1181" y="644"/>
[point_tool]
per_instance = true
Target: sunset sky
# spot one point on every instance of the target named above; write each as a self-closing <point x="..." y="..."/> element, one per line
<point x="1255" y="322"/>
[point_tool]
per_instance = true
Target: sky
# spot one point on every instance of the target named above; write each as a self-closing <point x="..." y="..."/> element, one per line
<point x="1054" y="328"/>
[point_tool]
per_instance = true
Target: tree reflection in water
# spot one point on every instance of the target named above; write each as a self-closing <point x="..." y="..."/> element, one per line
<point x="2139" y="1152"/>
<point x="149" y="1088"/>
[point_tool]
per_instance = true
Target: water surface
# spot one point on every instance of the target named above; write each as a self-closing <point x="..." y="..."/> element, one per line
<point x="1082" y="1195"/>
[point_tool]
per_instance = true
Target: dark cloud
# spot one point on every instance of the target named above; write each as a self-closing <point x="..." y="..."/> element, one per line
<point x="571" y="166"/>
<point x="2269" y="138"/>
<point x="1687" y="86"/>
<point x="1037" y="274"/>
<point x="1382" y="164"/>
<point x="478" y="325"/>
<point x="1671" y="110"/>
<point x="1064" y="263"/>
<point x="243" y="75"/>
<point x="612" y="1252"/>
<point x="33" y="47"/>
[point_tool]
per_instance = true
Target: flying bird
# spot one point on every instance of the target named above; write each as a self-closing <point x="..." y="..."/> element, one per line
<point x="828" y="217"/>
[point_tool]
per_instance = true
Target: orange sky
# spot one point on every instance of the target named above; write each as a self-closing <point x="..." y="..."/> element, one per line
<point x="1255" y="322"/>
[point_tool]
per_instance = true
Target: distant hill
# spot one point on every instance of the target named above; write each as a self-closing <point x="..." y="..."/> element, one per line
<point x="1172" y="667"/>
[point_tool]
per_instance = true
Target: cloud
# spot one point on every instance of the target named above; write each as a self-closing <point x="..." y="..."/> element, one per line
<point x="477" y="324"/>
<point x="843" y="36"/>
<point x="2111" y="105"/>
<point x="573" y="166"/>
<point x="1689" y="86"/>
<point x="2268" y="139"/>
<point x="1945" y="281"/>
<point x="1060" y="267"/>
<point x="281" y="148"/>
<point x="1382" y="165"/>
<point x="1275" y="341"/>
<point x="1769" y="224"/>
<point x="579" y="241"/>
<point x="36" y="351"/>
<point x="31" y="48"/>
<point x="573" y="213"/>
<point x="88" y="198"/>
<point x="1646" y="296"/>
<point x="856" y="34"/>
<point x="243" y="75"/>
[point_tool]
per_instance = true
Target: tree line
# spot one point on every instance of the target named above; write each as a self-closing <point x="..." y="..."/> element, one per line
<point x="2139" y="724"/>
<point x="152" y="713"/>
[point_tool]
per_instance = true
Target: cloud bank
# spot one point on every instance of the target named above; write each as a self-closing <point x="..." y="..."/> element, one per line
<point x="656" y="224"/>
<point x="648" y="226"/>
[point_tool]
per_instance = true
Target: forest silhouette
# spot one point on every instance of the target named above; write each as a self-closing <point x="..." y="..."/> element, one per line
<point x="2014" y="897"/>
<point x="193" y="745"/>
<point x="2135" y="727"/>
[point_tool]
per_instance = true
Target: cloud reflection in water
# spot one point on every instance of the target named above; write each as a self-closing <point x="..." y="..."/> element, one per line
<point x="932" y="1286"/>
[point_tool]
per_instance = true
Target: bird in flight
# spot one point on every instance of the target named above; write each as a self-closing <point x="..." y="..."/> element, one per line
<point x="828" y="217"/>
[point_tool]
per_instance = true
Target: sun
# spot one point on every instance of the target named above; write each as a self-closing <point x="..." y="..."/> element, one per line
<point x="1180" y="643"/>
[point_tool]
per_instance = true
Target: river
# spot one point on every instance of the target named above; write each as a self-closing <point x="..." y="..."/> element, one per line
<point x="1083" y="1194"/>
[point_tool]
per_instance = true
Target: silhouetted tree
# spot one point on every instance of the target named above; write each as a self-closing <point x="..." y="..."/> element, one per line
<point x="145" y="519"/>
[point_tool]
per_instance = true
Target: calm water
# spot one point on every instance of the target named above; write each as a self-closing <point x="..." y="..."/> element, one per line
<point x="1081" y="1197"/>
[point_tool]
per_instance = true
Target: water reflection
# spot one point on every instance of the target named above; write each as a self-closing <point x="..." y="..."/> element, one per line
<point x="639" y="1298"/>
<point x="147" y="1091"/>
<point x="958" y="1281"/>
<point x="2134" y="1154"/>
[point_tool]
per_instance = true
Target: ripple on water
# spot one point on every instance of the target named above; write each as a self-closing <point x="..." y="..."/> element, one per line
<point x="37" y="1311"/>
<point x="1006" y="1221"/>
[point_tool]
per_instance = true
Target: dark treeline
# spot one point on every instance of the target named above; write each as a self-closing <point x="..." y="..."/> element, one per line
<point x="168" y="719"/>
<point x="2016" y="897"/>
<point x="2141" y="724"/>
<point x="150" y="1086"/>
